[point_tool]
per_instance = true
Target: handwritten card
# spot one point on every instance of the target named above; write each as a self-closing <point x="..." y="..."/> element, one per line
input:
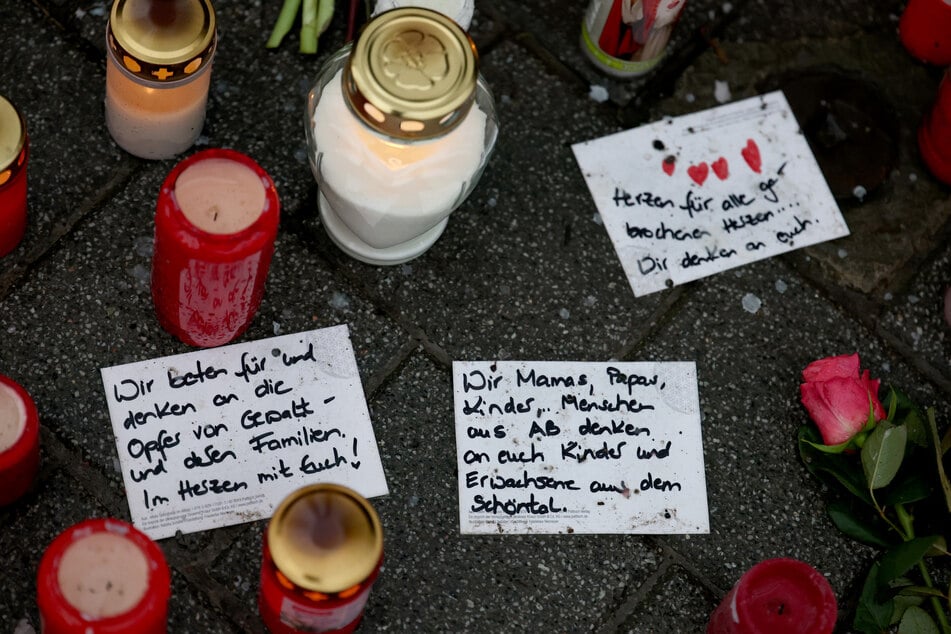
<point x="557" y="447"/>
<point x="220" y="436"/>
<point x="688" y="197"/>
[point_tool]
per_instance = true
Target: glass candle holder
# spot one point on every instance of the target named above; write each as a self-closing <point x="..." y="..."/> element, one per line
<point x="19" y="441"/>
<point x="103" y="576"/>
<point x="399" y="129"/>
<point x="323" y="549"/>
<point x="215" y="224"/>
<point x="14" y="156"/>
<point x="158" y="70"/>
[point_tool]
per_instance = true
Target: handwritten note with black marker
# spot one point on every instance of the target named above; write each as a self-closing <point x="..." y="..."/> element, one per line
<point x="221" y="436"/>
<point x="691" y="196"/>
<point x="559" y="447"/>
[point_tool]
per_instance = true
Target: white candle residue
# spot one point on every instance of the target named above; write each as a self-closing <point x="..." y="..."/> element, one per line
<point x="386" y="191"/>
<point x="12" y="417"/>
<point x="219" y="195"/>
<point x="103" y="575"/>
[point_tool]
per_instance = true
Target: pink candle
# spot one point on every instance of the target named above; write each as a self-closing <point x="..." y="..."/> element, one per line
<point x="103" y="576"/>
<point x="777" y="596"/>
<point x="19" y="441"/>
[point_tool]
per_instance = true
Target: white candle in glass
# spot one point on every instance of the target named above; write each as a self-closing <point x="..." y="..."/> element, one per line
<point x="459" y="10"/>
<point x="220" y="196"/>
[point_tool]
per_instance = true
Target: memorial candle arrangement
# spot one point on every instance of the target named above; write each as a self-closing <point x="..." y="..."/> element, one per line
<point x="19" y="441"/>
<point x="14" y="155"/>
<point x="399" y="129"/>
<point x="215" y="224"/>
<point x="777" y="596"/>
<point x="103" y="576"/>
<point x="157" y="74"/>
<point x="323" y="549"/>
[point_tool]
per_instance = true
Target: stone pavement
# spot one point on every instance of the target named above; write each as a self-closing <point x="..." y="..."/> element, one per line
<point x="525" y="270"/>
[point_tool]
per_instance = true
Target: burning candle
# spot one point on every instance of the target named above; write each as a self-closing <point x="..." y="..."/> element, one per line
<point x="103" y="576"/>
<point x="158" y="73"/>
<point x="399" y="132"/>
<point x="14" y="151"/>
<point x="934" y="134"/>
<point x="215" y="225"/>
<point x="777" y="596"/>
<point x="19" y="440"/>
<point x="925" y="30"/>
<point x="322" y="552"/>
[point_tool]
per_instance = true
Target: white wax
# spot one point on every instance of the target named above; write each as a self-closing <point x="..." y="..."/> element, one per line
<point x="12" y="417"/>
<point x="459" y="10"/>
<point x="219" y="195"/>
<point x="154" y="123"/>
<point x="388" y="192"/>
<point x="103" y="574"/>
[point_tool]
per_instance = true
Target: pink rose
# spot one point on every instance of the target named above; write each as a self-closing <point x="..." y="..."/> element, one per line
<point x="838" y="397"/>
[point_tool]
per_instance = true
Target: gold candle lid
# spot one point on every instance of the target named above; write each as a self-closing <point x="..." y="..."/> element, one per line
<point x="162" y="40"/>
<point x="12" y="140"/>
<point x="325" y="538"/>
<point x="412" y="74"/>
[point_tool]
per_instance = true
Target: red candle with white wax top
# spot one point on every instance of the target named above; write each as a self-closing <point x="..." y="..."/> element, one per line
<point x="215" y="224"/>
<point x="14" y="155"/>
<point x="777" y="596"/>
<point x="19" y="441"/>
<point x="103" y="576"/>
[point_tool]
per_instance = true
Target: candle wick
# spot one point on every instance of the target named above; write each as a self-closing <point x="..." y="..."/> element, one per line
<point x="782" y="608"/>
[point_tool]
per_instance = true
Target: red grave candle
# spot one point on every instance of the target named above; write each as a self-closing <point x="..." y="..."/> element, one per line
<point x="934" y="134"/>
<point x="103" y="576"/>
<point x="14" y="155"/>
<point x="777" y="596"/>
<point x="925" y="30"/>
<point x="215" y="224"/>
<point x="19" y="441"/>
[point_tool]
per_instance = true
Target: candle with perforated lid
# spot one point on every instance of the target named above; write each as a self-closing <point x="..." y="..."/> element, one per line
<point x="323" y="549"/>
<point x="14" y="155"/>
<point x="19" y="440"/>
<point x="103" y="576"/>
<point x="158" y="70"/>
<point x="216" y="221"/>
<point x="777" y="596"/>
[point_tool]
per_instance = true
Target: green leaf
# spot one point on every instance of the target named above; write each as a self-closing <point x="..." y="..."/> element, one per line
<point x="861" y="529"/>
<point x="909" y="488"/>
<point x="942" y="477"/>
<point x="921" y="591"/>
<point x="917" y="431"/>
<point x="899" y="559"/>
<point x="841" y="468"/>
<point x="917" y="621"/>
<point x="883" y="453"/>
<point x="871" y="615"/>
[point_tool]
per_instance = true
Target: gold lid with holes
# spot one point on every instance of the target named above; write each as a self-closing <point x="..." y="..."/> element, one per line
<point x="162" y="40"/>
<point x="412" y="74"/>
<point x="12" y="141"/>
<point x="325" y="538"/>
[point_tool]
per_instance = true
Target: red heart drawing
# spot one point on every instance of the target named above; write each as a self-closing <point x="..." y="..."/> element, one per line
<point x="751" y="155"/>
<point x="721" y="168"/>
<point x="698" y="173"/>
<point x="668" y="165"/>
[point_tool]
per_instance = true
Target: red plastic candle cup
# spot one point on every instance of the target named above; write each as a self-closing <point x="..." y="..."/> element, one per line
<point x="925" y="30"/>
<point x="215" y="224"/>
<point x="323" y="549"/>
<point x="934" y="134"/>
<point x="14" y="156"/>
<point x="19" y="441"/>
<point x="777" y="596"/>
<point x="103" y="576"/>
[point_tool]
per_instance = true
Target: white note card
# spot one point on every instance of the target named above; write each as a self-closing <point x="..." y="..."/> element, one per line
<point x="579" y="447"/>
<point x="220" y="436"/>
<point x="690" y="196"/>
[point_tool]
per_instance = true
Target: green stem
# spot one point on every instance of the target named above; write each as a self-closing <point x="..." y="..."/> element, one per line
<point x="881" y="512"/>
<point x="907" y="522"/>
<point x="284" y="23"/>
<point x="308" y="27"/>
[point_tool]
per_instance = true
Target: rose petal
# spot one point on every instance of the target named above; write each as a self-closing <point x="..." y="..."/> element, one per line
<point x="842" y="366"/>
<point x="839" y="407"/>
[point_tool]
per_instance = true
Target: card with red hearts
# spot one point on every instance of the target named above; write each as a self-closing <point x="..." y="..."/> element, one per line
<point x="686" y="197"/>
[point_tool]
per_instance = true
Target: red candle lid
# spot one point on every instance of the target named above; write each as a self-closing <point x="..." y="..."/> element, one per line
<point x="784" y="596"/>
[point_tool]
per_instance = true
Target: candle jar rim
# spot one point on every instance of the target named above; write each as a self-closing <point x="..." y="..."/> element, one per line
<point x="9" y="114"/>
<point x="269" y="217"/>
<point x="158" y="589"/>
<point x="19" y="450"/>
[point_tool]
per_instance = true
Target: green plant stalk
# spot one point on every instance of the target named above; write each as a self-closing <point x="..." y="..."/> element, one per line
<point x="308" y="27"/>
<point x="907" y="521"/>
<point x="285" y="20"/>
